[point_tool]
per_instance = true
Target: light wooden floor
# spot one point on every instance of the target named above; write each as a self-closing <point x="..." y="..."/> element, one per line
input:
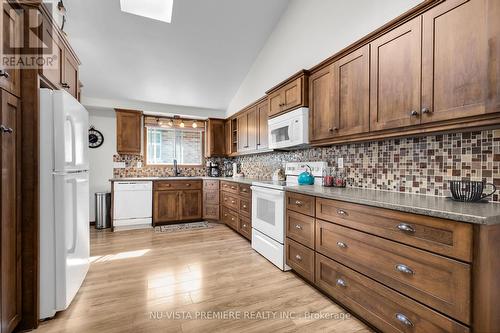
<point x="136" y="275"/>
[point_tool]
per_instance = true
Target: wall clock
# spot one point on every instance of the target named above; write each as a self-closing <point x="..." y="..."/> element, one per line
<point x="96" y="139"/>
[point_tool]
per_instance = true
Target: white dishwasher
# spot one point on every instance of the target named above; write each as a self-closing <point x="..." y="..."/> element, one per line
<point x="132" y="204"/>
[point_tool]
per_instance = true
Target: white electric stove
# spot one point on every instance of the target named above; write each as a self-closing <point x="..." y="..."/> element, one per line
<point x="268" y="211"/>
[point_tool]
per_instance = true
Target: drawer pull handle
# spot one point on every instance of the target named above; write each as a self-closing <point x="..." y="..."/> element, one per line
<point x="299" y="258"/>
<point x="298" y="226"/>
<point x="188" y="185"/>
<point x="232" y="218"/>
<point x="244" y="225"/>
<point x="342" y="245"/>
<point x="406" y="228"/>
<point x="341" y="212"/>
<point x="244" y="190"/>
<point x="232" y="201"/>
<point x="403" y="319"/>
<point x="244" y="206"/>
<point x="225" y="215"/>
<point x="404" y="269"/>
<point x="341" y="283"/>
<point x="298" y="203"/>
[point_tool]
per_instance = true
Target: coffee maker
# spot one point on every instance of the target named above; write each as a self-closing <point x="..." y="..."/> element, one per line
<point x="213" y="169"/>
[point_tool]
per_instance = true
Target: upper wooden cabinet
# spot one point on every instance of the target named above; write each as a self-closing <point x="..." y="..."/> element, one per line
<point x="70" y="75"/>
<point x="262" y="126"/>
<point x="457" y="60"/>
<point x="395" y="77"/>
<point x="228" y="137"/>
<point x="247" y="130"/>
<point x="128" y="131"/>
<point x="215" y="142"/>
<point x="289" y="94"/>
<point x="321" y="117"/>
<point x="351" y="93"/>
<point x="11" y="37"/>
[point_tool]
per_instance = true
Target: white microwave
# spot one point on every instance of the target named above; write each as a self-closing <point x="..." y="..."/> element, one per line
<point x="290" y="130"/>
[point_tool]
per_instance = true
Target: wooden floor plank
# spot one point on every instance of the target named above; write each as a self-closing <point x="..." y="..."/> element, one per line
<point x="138" y="280"/>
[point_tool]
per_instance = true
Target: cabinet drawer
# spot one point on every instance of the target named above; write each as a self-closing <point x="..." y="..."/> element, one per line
<point x="245" y="190"/>
<point x="439" y="282"/>
<point x="300" y="259"/>
<point x="246" y="207"/>
<point x="245" y="227"/>
<point x="230" y="201"/>
<point x="230" y="218"/>
<point x="229" y="187"/>
<point x="449" y="238"/>
<point x="300" y="203"/>
<point x="210" y="185"/>
<point x="300" y="228"/>
<point x="165" y="185"/>
<point x="384" y="308"/>
<point x="211" y="212"/>
<point x="211" y="197"/>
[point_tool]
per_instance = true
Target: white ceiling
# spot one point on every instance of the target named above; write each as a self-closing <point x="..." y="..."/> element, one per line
<point x="199" y="60"/>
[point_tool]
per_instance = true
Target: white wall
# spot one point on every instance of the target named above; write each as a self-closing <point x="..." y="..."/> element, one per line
<point x="309" y="32"/>
<point x="101" y="159"/>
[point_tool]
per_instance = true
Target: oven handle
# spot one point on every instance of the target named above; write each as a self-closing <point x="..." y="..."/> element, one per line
<point x="264" y="190"/>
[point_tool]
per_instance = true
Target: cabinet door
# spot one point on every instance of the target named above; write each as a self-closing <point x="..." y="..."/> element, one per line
<point x="70" y="75"/>
<point x="166" y="206"/>
<point x="242" y="132"/>
<point x="50" y="38"/>
<point x="262" y="117"/>
<point x="395" y="77"/>
<point x="455" y="64"/>
<point x="228" y="137"/>
<point x="10" y="75"/>
<point x="275" y="103"/>
<point x="128" y="131"/>
<point x="252" y="128"/>
<point x="320" y="104"/>
<point x="10" y="232"/>
<point x="292" y="94"/>
<point x="215" y="138"/>
<point x="351" y="93"/>
<point x="190" y="205"/>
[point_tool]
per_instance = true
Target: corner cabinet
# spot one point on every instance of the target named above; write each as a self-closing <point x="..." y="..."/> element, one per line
<point x="215" y="138"/>
<point x="289" y="94"/>
<point x="262" y="110"/>
<point x="128" y="131"/>
<point x="177" y="201"/>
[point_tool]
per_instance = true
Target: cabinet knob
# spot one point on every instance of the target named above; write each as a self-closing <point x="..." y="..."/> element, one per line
<point x="232" y="218"/>
<point x="404" y="269"/>
<point x="298" y="226"/>
<point x="188" y="185"/>
<point x="298" y="203"/>
<point x="298" y="257"/>
<point x="414" y="113"/>
<point x="244" y="206"/>
<point x="406" y="228"/>
<point x="403" y="319"/>
<point x="65" y="85"/>
<point x="4" y="74"/>
<point x="426" y="110"/>
<point x="232" y="201"/>
<point x="4" y="129"/>
<point x="342" y="212"/>
<point x="342" y="245"/>
<point x="333" y="129"/>
<point x="341" y="283"/>
<point x="244" y="225"/>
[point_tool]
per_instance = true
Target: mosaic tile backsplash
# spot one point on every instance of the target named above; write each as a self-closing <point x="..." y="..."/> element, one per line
<point x="422" y="165"/>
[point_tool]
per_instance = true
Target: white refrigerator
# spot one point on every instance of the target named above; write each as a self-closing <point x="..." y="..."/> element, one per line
<point x="64" y="200"/>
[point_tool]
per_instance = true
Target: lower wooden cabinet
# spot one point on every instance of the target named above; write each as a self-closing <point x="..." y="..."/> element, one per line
<point x="173" y="203"/>
<point x="245" y="227"/>
<point x="384" y="308"/>
<point x="236" y="207"/>
<point x="10" y="227"/>
<point x="230" y="218"/>
<point x="300" y="258"/>
<point x="211" y="200"/>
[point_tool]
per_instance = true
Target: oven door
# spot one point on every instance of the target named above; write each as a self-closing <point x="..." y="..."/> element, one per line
<point x="268" y="212"/>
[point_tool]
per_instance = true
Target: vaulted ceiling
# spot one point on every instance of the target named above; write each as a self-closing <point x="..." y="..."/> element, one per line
<point x="199" y="60"/>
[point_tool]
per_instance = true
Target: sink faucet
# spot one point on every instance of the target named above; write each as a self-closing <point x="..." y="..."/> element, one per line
<point x="177" y="173"/>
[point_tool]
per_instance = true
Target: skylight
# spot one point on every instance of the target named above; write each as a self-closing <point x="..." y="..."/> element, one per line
<point x="160" y="10"/>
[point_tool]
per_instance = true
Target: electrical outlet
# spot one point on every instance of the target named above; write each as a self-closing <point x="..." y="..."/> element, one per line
<point x="340" y="162"/>
<point x="139" y="164"/>
<point x="119" y="165"/>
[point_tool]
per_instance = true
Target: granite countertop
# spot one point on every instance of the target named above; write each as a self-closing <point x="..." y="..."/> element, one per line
<point x="242" y="180"/>
<point x="477" y="213"/>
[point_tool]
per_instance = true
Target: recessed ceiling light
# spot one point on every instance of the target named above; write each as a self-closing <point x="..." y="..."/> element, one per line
<point x="160" y="10"/>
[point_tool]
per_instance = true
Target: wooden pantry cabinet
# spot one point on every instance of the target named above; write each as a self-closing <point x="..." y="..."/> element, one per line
<point x="399" y="271"/>
<point x="128" y="131"/>
<point x="177" y="201"/>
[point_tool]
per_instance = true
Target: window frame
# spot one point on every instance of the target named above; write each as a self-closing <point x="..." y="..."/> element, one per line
<point x="170" y="165"/>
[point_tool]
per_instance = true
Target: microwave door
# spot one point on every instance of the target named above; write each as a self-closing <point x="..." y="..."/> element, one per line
<point x="280" y="134"/>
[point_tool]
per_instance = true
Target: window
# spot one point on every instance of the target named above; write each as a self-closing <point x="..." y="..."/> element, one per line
<point x="166" y="144"/>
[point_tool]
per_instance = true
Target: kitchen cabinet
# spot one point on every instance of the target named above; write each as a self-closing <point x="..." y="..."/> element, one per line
<point x="457" y="60"/>
<point x="289" y="94"/>
<point x="351" y="93"/>
<point x="215" y="138"/>
<point x="128" y="131"/>
<point x="262" y="110"/>
<point x="70" y="75"/>
<point x="211" y="200"/>
<point x="247" y="130"/>
<point x="10" y="225"/>
<point x="177" y="201"/>
<point x="11" y="23"/>
<point x="395" y="77"/>
<point x="320" y="107"/>
<point x="236" y="207"/>
<point x="228" y="137"/>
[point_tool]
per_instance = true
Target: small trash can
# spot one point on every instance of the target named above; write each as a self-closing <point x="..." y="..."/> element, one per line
<point x="102" y="210"/>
